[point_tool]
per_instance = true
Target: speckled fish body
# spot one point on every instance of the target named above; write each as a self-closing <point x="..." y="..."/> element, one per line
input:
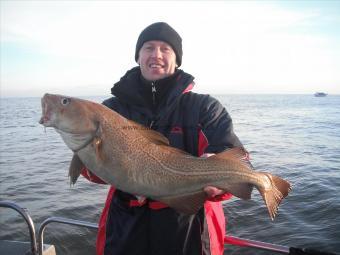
<point x="140" y="161"/>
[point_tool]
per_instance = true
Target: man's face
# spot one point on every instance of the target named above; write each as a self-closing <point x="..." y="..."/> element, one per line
<point x="157" y="60"/>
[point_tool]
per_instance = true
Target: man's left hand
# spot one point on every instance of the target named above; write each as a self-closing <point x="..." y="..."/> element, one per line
<point x="212" y="192"/>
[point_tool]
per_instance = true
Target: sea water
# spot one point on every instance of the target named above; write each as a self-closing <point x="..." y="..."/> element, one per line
<point x="294" y="136"/>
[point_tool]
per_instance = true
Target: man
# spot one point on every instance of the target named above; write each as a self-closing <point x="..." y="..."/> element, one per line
<point x="157" y="94"/>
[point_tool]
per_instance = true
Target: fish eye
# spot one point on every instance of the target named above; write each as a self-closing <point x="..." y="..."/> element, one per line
<point x="65" y="101"/>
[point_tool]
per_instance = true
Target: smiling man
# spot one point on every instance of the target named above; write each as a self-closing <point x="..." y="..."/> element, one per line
<point x="157" y="60"/>
<point x="158" y="51"/>
<point x="158" y="95"/>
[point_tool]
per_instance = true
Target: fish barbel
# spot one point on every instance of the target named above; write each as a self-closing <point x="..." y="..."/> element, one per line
<point x="138" y="160"/>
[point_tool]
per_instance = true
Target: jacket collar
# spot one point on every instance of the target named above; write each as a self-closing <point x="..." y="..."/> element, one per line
<point x="130" y="89"/>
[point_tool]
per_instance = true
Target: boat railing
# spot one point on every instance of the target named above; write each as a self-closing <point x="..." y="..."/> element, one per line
<point x="23" y="212"/>
<point x="228" y="239"/>
<point x="39" y="249"/>
<point x="256" y="244"/>
<point x="62" y="221"/>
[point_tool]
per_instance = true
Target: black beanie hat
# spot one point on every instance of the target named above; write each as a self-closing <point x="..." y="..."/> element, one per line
<point x="161" y="31"/>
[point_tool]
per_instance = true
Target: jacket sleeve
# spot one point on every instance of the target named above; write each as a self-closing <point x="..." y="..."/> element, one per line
<point x="217" y="126"/>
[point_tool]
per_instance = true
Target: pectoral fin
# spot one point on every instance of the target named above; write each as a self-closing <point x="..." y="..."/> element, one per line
<point x="187" y="204"/>
<point x="97" y="142"/>
<point x="75" y="169"/>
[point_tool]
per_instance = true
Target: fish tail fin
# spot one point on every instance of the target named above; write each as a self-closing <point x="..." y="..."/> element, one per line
<point x="273" y="191"/>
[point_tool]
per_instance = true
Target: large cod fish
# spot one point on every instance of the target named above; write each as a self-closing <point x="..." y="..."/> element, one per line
<point x="140" y="161"/>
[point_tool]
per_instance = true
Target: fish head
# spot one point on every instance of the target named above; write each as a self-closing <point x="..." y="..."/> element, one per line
<point x="68" y="114"/>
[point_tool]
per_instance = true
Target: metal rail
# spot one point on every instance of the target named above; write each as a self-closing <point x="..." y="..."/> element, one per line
<point x="63" y="221"/>
<point x="256" y="244"/>
<point x="227" y="239"/>
<point x="23" y="212"/>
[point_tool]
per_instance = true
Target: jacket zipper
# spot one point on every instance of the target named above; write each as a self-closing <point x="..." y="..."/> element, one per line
<point x="153" y="90"/>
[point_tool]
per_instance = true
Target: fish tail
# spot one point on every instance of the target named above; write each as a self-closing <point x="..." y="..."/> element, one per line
<point x="273" y="191"/>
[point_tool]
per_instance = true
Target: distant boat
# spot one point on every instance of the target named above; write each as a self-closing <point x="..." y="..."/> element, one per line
<point x="320" y="94"/>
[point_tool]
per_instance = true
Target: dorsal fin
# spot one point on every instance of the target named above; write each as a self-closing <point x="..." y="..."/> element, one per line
<point x="176" y="151"/>
<point x="234" y="153"/>
<point x="148" y="133"/>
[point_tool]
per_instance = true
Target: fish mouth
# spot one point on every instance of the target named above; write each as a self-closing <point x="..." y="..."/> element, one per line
<point x="45" y="117"/>
<point x="47" y="113"/>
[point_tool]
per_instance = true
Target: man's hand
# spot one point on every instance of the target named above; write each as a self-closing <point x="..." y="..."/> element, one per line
<point x="212" y="192"/>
